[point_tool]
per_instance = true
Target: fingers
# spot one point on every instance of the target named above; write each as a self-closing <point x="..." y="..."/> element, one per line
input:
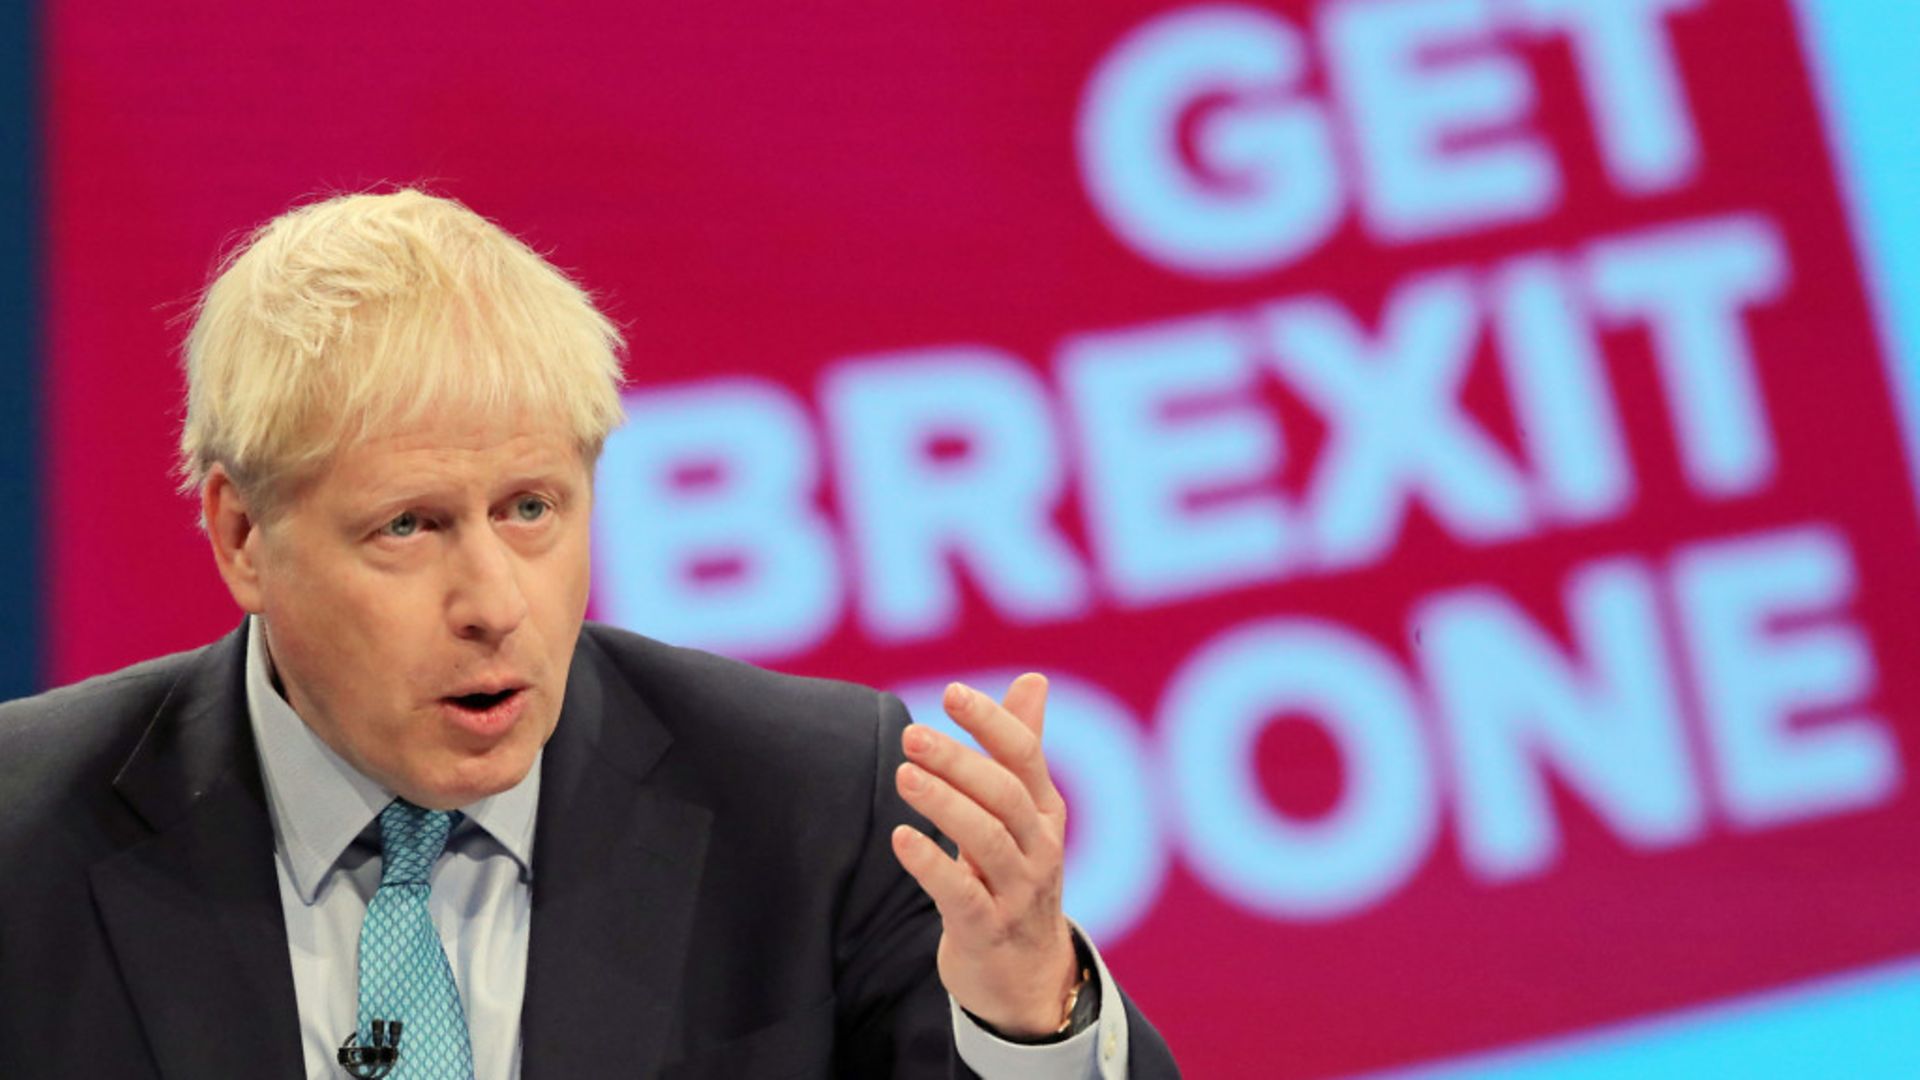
<point x="984" y="841"/>
<point x="1027" y="700"/>
<point x="1005" y="952"/>
<point x="960" y="896"/>
<point x="987" y="783"/>
<point x="1013" y="738"/>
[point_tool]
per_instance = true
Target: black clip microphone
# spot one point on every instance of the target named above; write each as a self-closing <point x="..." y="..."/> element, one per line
<point x="376" y="1059"/>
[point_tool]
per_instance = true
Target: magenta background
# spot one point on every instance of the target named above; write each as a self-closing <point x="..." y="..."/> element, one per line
<point x="769" y="187"/>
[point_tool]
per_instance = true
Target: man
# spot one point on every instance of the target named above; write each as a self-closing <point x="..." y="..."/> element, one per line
<point x="415" y="819"/>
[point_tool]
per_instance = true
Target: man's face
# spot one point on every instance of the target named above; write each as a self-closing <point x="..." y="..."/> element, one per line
<point x="422" y="597"/>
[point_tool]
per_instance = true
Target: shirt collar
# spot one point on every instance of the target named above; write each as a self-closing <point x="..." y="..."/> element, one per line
<point x="319" y="803"/>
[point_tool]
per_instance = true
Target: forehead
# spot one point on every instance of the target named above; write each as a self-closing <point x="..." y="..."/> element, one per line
<point x="452" y="448"/>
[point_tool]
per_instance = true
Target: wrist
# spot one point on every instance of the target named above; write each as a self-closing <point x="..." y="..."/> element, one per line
<point x="1076" y="1008"/>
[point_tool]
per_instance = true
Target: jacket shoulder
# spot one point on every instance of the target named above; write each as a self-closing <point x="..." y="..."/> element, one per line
<point x="716" y="705"/>
<point x="75" y="737"/>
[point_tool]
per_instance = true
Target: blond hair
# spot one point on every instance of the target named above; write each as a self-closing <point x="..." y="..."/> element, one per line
<point x="357" y="315"/>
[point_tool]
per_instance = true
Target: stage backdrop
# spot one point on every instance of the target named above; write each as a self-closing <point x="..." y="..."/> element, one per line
<point x="1450" y="455"/>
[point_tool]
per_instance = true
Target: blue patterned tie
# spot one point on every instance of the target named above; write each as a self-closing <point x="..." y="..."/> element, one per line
<point x="404" y="973"/>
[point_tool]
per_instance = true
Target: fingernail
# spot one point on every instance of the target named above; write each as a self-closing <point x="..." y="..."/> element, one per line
<point x="956" y="695"/>
<point x="918" y="741"/>
<point x="912" y="778"/>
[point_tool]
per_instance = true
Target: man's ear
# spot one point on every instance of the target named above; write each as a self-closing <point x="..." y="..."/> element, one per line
<point x="235" y="536"/>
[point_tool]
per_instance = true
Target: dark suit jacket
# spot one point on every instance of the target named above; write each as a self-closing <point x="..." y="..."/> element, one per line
<point x="714" y="892"/>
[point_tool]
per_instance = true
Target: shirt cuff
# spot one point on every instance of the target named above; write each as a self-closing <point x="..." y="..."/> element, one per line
<point x="1099" y="1051"/>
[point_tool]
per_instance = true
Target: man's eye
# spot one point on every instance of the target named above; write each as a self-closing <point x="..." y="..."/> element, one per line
<point x="403" y="525"/>
<point x="530" y="508"/>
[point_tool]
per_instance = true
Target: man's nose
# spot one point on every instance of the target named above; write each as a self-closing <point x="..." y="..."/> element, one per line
<point x="486" y="602"/>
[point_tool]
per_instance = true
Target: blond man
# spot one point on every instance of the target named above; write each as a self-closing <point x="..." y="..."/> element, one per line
<point x="414" y="818"/>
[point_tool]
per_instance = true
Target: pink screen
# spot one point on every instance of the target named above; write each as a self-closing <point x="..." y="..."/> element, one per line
<point x="1443" y="454"/>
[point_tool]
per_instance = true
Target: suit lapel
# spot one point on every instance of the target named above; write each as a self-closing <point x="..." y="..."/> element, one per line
<point x="617" y="865"/>
<point x="193" y="912"/>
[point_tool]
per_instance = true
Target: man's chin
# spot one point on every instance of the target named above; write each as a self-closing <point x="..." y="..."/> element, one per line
<point x="471" y="780"/>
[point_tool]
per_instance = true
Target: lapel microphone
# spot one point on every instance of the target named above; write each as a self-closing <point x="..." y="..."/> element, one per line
<point x="376" y="1059"/>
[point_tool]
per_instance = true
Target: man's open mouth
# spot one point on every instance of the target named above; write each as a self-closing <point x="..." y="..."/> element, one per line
<point x="483" y="702"/>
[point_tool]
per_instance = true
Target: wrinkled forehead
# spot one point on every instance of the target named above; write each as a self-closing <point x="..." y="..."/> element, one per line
<point x="441" y="447"/>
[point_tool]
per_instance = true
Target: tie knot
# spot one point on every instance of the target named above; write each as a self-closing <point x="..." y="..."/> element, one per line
<point x="411" y="838"/>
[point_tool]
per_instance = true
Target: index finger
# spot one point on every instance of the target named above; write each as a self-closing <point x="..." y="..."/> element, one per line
<point x="1027" y="700"/>
<point x="1010" y="739"/>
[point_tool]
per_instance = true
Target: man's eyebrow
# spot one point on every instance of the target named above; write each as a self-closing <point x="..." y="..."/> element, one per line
<point x="373" y="507"/>
<point x="540" y="469"/>
<point x="554" y="476"/>
<point x="552" y="472"/>
<point x="409" y="490"/>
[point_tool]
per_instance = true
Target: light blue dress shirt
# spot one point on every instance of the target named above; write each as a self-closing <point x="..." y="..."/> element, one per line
<point x="327" y="849"/>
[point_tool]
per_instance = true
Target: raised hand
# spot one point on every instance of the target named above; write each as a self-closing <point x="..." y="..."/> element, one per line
<point x="1006" y="953"/>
